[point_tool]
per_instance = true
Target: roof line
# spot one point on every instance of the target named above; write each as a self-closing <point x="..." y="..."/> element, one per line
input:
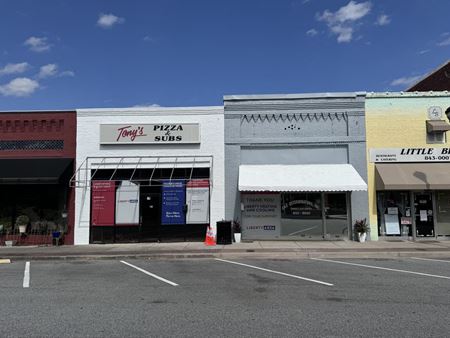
<point x="151" y="109"/>
<point x="50" y="111"/>
<point x="429" y="74"/>
<point x="293" y="96"/>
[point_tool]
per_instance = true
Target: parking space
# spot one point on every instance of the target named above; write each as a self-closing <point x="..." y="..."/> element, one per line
<point x="11" y="275"/>
<point x="135" y="273"/>
<point x="246" y="297"/>
<point x="108" y="275"/>
<point x="398" y="266"/>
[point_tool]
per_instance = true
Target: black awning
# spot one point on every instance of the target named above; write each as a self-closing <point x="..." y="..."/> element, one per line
<point x="33" y="171"/>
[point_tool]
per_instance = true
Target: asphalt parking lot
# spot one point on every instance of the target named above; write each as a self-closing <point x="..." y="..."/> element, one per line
<point x="239" y="297"/>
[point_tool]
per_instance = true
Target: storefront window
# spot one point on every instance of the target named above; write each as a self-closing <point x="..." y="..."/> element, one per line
<point x="6" y="218"/>
<point x="154" y="204"/>
<point x="301" y="214"/>
<point x="42" y="204"/>
<point x="394" y="213"/>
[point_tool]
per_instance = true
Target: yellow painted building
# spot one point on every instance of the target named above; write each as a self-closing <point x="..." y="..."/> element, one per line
<point x="408" y="165"/>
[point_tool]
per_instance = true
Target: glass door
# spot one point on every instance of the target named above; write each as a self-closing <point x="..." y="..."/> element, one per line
<point x="336" y="218"/>
<point x="423" y="214"/>
<point x="151" y="218"/>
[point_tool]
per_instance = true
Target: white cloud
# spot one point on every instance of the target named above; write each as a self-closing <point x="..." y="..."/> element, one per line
<point x="406" y="81"/>
<point x="109" y="20"/>
<point x="146" y="105"/>
<point x="52" y="70"/>
<point x="345" y="34"/>
<point x="445" y="42"/>
<point x="69" y="73"/>
<point x="14" y="68"/>
<point x="49" y="70"/>
<point x="341" y="22"/>
<point x="37" y="44"/>
<point x="21" y="86"/>
<point x="383" y="20"/>
<point x="424" y="51"/>
<point x="148" y="38"/>
<point x="312" y="32"/>
<point x="351" y="12"/>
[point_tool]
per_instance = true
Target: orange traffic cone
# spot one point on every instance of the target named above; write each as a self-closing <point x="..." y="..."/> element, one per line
<point x="210" y="240"/>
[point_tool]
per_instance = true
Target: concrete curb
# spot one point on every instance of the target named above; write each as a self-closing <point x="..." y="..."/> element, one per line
<point x="256" y="254"/>
<point x="215" y="251"/>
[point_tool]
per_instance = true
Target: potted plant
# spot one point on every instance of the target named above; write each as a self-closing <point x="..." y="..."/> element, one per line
<point x="237" y="231"/>
<point x="361" y="229"/>
<point x="22" y="222"/>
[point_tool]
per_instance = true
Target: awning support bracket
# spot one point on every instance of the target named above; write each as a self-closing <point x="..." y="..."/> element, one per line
<point x="91" y="166"/>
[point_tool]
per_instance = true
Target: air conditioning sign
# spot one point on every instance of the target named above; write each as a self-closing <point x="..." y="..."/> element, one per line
<point x="187" y="133"/>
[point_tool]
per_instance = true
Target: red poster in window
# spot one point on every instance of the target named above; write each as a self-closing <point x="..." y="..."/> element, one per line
<point x="103" y="203"/>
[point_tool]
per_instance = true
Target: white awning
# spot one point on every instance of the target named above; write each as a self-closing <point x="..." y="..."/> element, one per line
<point x="308" y="177"/>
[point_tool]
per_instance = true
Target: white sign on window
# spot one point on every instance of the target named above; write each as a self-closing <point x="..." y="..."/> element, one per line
<point x="127" y="204"/>
<point x="423" y="216"/>
<point x="393" y="211"/>
<point x="392" y="225"/>
<point x="261" y="216"/>
<point x="197" y="200"/>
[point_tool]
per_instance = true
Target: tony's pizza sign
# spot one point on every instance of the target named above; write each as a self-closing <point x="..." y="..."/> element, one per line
<point x="170" y="133"/>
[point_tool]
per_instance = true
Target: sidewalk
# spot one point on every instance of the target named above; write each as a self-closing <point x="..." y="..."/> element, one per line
<point x="256" y="249"/>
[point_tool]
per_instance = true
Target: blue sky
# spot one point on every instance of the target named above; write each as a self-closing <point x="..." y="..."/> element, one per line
<point x="64" y="54"/>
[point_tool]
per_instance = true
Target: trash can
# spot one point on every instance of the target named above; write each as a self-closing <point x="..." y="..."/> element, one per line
<point x="224" y="232"/>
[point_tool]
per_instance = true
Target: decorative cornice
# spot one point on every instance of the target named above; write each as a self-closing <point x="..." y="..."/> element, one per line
<point x="293" y="117"/>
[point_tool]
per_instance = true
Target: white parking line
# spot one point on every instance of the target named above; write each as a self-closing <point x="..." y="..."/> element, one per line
<point x="429" y="259"/>
<point x="26" y="275"/>
<point x="380" y="268"/>
<point x="150" y="274"/>
<point x="276" y="272"/>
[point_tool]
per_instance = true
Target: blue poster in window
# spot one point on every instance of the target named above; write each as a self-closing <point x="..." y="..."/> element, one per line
<point x="173" y="201"/>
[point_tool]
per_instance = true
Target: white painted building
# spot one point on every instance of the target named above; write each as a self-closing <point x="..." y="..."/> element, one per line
<point x="151" y="167"/>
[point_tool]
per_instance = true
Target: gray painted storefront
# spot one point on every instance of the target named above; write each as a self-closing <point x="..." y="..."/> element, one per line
<point x="294" y="129"/>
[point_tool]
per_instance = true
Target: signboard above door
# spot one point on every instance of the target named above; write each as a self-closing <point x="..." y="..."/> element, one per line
<point x="164" y="133"/>
<point x="378" y="155"/>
